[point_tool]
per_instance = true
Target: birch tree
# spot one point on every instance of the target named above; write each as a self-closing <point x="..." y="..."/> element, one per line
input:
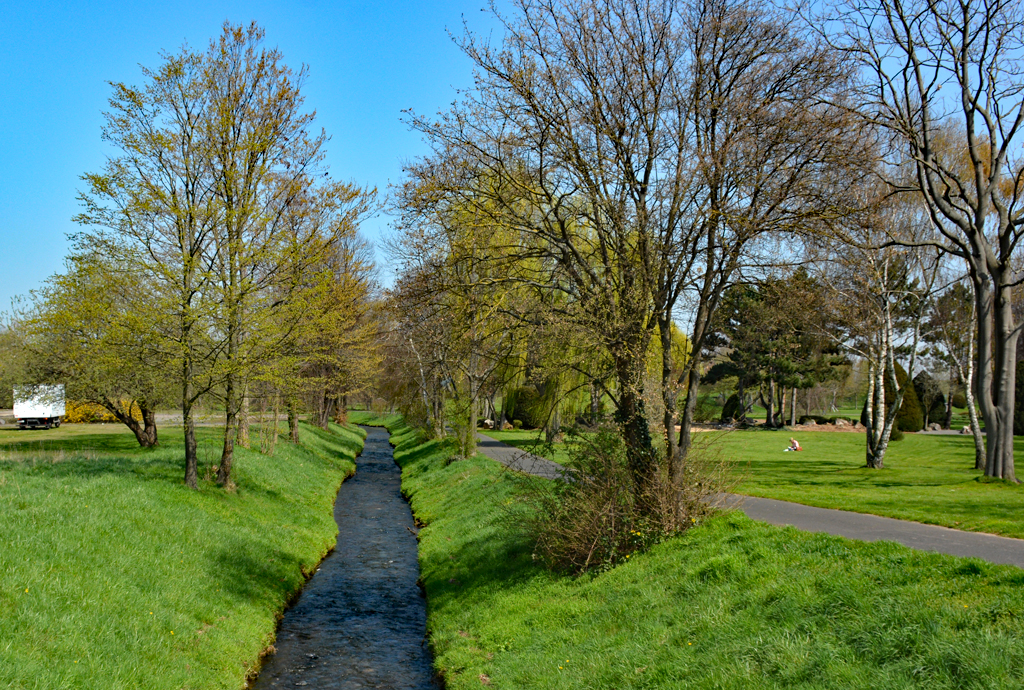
<point x="945" y="80"/>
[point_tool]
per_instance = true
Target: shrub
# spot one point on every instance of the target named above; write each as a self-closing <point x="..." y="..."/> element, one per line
<point x="593" y="520"/>
<point x="732" y="410"/>
<point x="909" y="417"/>
<point x="77" y="412"/>
<point x="960" y="401"/>
<point x="933" y="402"/>
<point x="517" y="424"/>
<point x="527" y="406"/>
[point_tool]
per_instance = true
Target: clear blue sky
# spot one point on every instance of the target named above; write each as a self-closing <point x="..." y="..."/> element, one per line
<point x="367" y="62"/>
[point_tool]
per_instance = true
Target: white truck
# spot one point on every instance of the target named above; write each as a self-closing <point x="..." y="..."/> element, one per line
<point x="39" y="406"/>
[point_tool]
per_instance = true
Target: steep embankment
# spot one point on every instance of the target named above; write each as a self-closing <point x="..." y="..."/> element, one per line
<point x="114" y="575"/>
<point x="733" y="603"/>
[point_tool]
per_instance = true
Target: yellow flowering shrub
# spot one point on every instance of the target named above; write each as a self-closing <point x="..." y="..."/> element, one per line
<point x="76" y="412"/>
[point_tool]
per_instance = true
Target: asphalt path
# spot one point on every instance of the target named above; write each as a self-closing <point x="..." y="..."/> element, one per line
<point x="841" y="523"/>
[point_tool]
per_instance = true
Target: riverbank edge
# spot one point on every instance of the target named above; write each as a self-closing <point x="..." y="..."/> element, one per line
<point x="307" y="573"/>
<point x="464" y="640"/>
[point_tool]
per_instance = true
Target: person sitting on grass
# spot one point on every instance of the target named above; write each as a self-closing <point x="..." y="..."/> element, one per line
<point x="793" y="445"/>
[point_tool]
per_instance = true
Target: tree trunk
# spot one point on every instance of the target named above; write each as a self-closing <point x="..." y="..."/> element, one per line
<point x="293" y="421"/>
<point x="948" y="421"/>
<point x="595" y="402"/>
<point x="327" y="403"/>
<point x="792" y="409"/>
<point x="227" y="456"/>
<point x="189" y="426"/>
<point x="669" y="393"/>
<point x="632" y="420"/>
<point x="243" y="421"/>
<point x="996" y="374"/>
<point x="145" y="431"/>
<point x="972" y="414"/>
<point x="769" y="405"/>
<point x="273" y="423"/>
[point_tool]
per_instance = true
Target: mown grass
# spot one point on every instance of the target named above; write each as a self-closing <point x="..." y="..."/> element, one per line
<point x="114" y="575"/>
<point x="731" y="604"/>
<point x="927" y="478"/>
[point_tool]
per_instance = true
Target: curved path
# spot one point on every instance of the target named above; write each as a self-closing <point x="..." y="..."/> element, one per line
<point x="361" y="620"/>
<point x="841" y="523"/>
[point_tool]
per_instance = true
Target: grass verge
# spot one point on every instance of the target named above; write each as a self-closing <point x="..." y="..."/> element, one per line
<point x="731" y="604"/>
<point x="114" y="575"/>
<point x="927" y="478"/>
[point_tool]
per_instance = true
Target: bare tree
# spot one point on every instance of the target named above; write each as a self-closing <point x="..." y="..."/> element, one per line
<point x="773" y="153"/>
<point x="945" y="81"/>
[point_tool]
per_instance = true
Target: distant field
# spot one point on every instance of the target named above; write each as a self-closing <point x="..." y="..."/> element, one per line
<point x="926" y="478"/>
<point x="114" y="575"/>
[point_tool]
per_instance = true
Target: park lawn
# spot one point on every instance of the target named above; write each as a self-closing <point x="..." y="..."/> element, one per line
<point x="114" y="575"/>
<point x="927" y="478"/>
<point x="731" y="604"/>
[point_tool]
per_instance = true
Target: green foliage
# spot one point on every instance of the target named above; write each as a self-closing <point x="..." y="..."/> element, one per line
<point x="910" y="417"/>
<point x="528" y="407"/>
<point x="927" y="478"/>
<point x="960" y="401"/>
<point x="730" y="604"/>
<point x="107" y="553"/>
<point x="705" y="409"/>
<point x="733" y="409"/>
<point x="931" y="397"/>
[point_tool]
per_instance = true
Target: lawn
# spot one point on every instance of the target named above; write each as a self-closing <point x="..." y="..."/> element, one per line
<point x="731" y="604"/>
<point x="114" y="575"/>
<point x="927" y="478"/>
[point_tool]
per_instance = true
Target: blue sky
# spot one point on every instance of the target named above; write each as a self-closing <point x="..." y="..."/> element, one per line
<point x="367" y="62"/>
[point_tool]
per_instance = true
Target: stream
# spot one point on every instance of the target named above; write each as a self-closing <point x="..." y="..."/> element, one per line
<point x="360" y="622"/>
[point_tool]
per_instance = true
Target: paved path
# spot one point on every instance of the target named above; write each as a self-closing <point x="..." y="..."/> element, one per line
<point x="516" y="459"/>
<point x="841" y="523"/>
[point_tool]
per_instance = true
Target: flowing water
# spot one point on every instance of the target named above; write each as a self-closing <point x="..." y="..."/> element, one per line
<point x="361" y="620"/>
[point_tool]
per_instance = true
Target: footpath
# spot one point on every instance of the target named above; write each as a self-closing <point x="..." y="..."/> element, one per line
<point x="842" y="523"/>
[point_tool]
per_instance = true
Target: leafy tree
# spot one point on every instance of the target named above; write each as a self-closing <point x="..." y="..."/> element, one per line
<point x="933" y="402"/>
<point x="88" y="327"/>
<point x="216" y="200"/>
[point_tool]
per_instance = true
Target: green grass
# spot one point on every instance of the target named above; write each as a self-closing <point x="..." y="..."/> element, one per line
<point x="731" y="604"/>
<point x="114" y="575"/>
<point x="927" y="478"/>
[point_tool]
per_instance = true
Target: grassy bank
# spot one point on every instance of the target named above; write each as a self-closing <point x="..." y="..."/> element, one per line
<point x="114" y="575"/>
<point x="732" y="604"/>
<point x="927" y="478"/>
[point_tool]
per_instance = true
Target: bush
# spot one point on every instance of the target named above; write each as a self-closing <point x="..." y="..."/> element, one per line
<point x="909" y="417"/>
<point x="92" y="413"/>
<point x="517" y="424"/>
<point x="526" y="406"/>
<point x="931" y="398"/>
<point x="960" y="401"/>
<point x="591" y="520"/>
<point x="732" y="410"/>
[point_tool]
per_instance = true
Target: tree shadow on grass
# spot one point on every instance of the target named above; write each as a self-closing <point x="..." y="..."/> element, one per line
<point x="259" y="573"/>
